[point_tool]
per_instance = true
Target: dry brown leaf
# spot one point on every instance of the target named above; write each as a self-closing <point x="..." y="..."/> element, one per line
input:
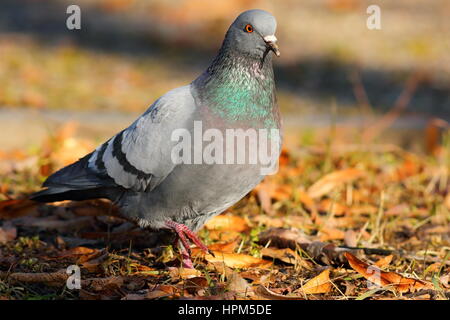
<point x="162" y="291"/>
<point x="237" y="284"/>
<point x="327" y="234"/>
<point x="319" y="284"/>
<point x="351" y="238"/>
<point x="384" y="261"/>
<point x="265" y="293"/>
<point x="227" y="236"/>
<point x="447" y="201"/>
<point x="286" y="255"/>
<point x="307" y="201"/>
<point x="237" y="260"/>
<point x="7" y="233"/>
<point x="184" y="273"/>
<point x="15" y="208"/>
<point x="223" y="247"/>
<point x="265" y="200"/>
<point x="398" y="210"/>
<point x="269" y="221"/>
<point x="363" y="209"/>
<point x="383" y="278"/>
<point x="77" y="251"/>
<point x="276" y="191"/>
<point x="227" y="223"/>
<point x="332" y="181"/>
<point x="329" y="206"/>
<point x="283" y="238"/>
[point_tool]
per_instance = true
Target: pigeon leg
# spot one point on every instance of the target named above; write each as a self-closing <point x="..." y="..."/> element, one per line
<point x="186" y="257"/>
<point x="183" y="233"/>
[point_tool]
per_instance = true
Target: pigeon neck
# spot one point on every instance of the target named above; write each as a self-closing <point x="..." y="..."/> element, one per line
<point x="238" y="88"/>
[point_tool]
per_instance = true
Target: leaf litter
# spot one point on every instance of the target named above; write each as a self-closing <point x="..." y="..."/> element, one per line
<point x="368" y="225"/>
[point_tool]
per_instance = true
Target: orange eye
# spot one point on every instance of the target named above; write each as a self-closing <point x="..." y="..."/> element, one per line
<point x="248" y="28"/>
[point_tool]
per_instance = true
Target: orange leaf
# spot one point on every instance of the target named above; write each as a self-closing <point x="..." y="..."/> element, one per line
<point x="237" y="260"/>
<point x="384" y="262"/>
<point x="307" y="201"/>
<point x="227" y="223"/>
<point x="327" y="234"/>
<point x="184" y="273"/>
<point x="383" y="278"/>
<point x="224" y="235"/>
<point x="318" y="284"/>
<point x="332" y="181"/>
<point x="223" y="247"/>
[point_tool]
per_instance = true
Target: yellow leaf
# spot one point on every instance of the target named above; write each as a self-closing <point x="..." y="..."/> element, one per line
<point x="318" y="284"/>
<point x="237" y="260"/>
<point x="333" y="180"/>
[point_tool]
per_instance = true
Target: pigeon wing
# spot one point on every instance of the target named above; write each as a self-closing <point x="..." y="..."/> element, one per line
<point x="137" y="158"/>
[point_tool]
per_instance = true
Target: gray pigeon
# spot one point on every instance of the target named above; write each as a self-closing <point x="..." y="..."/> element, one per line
<point x="140" y="170"/>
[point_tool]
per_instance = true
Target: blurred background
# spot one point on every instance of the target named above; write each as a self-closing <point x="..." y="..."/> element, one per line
<point x="335" y="77"/>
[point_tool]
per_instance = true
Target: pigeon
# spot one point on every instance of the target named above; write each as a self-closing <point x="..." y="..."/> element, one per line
<point x="139" y="168"/>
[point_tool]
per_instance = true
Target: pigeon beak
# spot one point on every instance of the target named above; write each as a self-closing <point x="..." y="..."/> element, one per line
<point x="271" y="42"/>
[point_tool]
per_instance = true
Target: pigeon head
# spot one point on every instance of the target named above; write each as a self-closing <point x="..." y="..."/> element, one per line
<point x="253" y="34"/>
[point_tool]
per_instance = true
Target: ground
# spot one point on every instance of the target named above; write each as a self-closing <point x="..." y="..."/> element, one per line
<point x="334" y="223"/>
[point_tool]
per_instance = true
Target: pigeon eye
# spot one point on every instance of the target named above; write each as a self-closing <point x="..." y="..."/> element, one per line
<point x="248" y="28"/>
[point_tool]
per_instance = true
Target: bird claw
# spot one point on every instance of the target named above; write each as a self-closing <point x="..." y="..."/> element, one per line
<point x="184" y="233"/>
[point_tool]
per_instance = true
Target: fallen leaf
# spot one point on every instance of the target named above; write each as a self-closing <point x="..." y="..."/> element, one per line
<point x="335" y="208"/>
<point x="327" y="234"/>
<point x="384" y="261"/>
<point x="286" y="255"/>
<point x="184" y="273"/>
<point x="236" y="260"/>
<point x="15" y="208"/>
<point x="447" y="201"/>
<point x="162" y="291"/>
<point x="227" y="223"/>
<point x="332" y="181"/>
<point x="269" y="221"/>
<point x="265" y="200"/>
<point x="224" y="235"/>
<point x="237" y="284"/>
<point x="223" y="247"/>
<point x="383" y="278"/>
<point x="350" y="238"/>
<point x="397" y="210"/>
<point x="318" y="284"/>
<point x="283" y="238"/>
<point x="77" y="251"/>
<point x="7" y="233"/>
<point x="263" y="292"/>
<point x="307" y="201"/>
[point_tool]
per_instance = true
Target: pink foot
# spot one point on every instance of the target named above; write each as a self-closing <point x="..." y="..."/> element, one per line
<point x="184" y="233"/>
